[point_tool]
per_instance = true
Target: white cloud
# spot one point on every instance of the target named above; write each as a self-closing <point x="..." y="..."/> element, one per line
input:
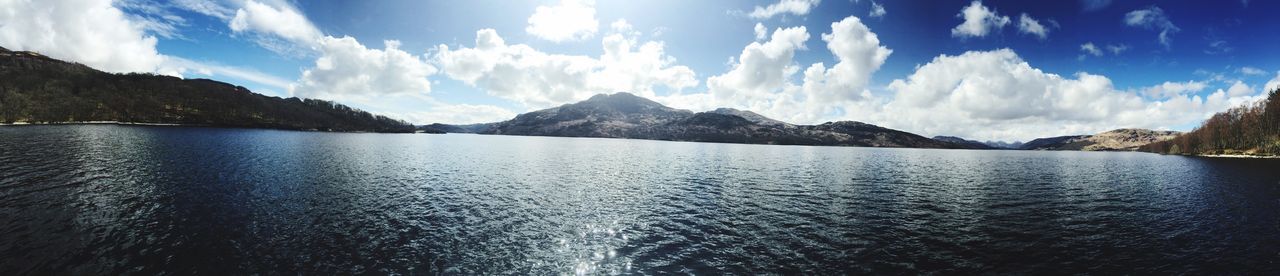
<point x="348" y="69"/>
<point x="1239" y="89"/>
<point x="281" y="21"/>
<point x="92" y="32"/>
<point x="1174" y="89"/>
<point x="1117" y="49"/>
<point x="877" y="10"/>
<point x="1273" y="84"/>
<point x="154" y="17"/>
<point x="1153" y="18"/>
<point x="1028" y="25"/>
<point x="1093" y="5"/>
<point x="206" y="7"/>
<point x="537" y="79"/>
<point x="1091" y="49"/>
<point x="760" y="78"/>
<point x="570" y="20"/>
<point x="620" y="25"/>
<point x="761" y="71"/>
<point x="858" y="54"/>
<point x="761" y="31"/>
<point x="978" y="21"/>
<point x="796" y="7"/>
<point x="1253" y="71"/>
<point x="457" y="114"/>
<point x="995" y="95"/>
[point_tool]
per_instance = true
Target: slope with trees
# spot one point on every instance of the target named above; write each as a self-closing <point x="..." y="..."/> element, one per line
<point x="36" y="89"/>
<point x="1252" y="129"/>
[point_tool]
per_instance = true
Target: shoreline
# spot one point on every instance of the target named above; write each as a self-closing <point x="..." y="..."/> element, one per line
<point x="1241" y="156"/>
<point x="21" y="124"/>
<point x="94" y="123"/>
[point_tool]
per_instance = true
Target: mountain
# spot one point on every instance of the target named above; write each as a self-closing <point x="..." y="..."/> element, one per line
<point x="445" y="128"/>
<point x="968" y="144"/>
<point x="623" y="115"/>
<point x="1116" y="140"/>
<point x="620" y="115"/>
<point x="750" y="116"/>
<point x="37" y="89"/>
<point x="1004" y="145"/>
<point x="1252" y="129"/>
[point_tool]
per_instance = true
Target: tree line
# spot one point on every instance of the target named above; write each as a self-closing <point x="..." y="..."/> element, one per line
<point x="38" y="89"/>
<point x="1250" y="129"/>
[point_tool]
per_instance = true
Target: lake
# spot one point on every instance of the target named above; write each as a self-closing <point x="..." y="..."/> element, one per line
<point x="108" y="200"/>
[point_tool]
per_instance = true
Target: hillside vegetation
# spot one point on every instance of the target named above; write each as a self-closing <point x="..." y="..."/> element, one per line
<point x="37" y="89"/>
<point x="1253" y="129"/>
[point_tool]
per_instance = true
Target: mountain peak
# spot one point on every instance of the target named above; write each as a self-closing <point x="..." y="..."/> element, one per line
<point x="750" y="116"/>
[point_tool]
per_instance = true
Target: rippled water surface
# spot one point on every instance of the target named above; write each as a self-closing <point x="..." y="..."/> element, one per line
<point x="106" y="200"/>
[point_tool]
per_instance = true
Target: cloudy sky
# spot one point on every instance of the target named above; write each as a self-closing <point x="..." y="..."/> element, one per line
<point x="988" y="70"/>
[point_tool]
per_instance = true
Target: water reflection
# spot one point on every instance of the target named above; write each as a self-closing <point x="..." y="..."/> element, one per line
<point x="118" y="200"/>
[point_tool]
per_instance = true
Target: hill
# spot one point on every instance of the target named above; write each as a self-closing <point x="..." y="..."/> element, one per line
<point x="37" y="89"/>
<point x="969" y="144"/>
<point x="1115" y="140"/>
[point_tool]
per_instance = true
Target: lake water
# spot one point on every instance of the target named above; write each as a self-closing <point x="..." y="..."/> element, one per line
<point x="107" y="200"/>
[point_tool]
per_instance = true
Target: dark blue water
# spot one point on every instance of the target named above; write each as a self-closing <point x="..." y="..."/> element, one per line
<point x="107" y="200"/>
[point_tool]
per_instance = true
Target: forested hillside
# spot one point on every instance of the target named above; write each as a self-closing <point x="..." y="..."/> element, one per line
<point x="1252" y="129"/>
<point x="39" y="89"/>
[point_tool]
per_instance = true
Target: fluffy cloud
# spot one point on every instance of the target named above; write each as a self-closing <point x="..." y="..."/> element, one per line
<point x="858" y="54"/>
<point x="1091" y="49"/>
<point x="278" y="21"/>
<point x="1174" y="89"/>
<point x="796" y="7"/>
<point x="570" y="20"/>
<point x="877" y="10"/>
<point x="1028" y="25"/>
<point x="1239" y="89"/>
<point x="92" y="32"/>
<point x="347" y="68"/>
<point x="995" y="95"/>
<point x="1153" y="18"/>
<point x="536" y="79"/>
<point x="762" y="70"/>
<point x="760" y="80"/>
<point x="1273" y="84"/>
<point x="978" y="21"/>
<point x="761" y="31"/>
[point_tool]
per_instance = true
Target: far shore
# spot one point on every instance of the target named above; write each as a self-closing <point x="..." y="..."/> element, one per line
<point x="93" y="123"/>
<point x="1239" y="156"/>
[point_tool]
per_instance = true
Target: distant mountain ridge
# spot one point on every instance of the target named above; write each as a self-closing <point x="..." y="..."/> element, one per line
<point x="1124" y="139"/>
<point x="37" y="89"/>
<point x="970" y="144"/>
<point x="623" y="115"/>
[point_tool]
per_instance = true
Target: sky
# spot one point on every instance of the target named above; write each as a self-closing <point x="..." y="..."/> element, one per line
<point x="985" y="70"/>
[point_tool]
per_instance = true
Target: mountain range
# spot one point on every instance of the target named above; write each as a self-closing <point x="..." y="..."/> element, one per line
<point x="623" y="115"/>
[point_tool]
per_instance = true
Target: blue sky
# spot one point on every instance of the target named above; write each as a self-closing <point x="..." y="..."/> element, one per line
<point x="990" y="70"/>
